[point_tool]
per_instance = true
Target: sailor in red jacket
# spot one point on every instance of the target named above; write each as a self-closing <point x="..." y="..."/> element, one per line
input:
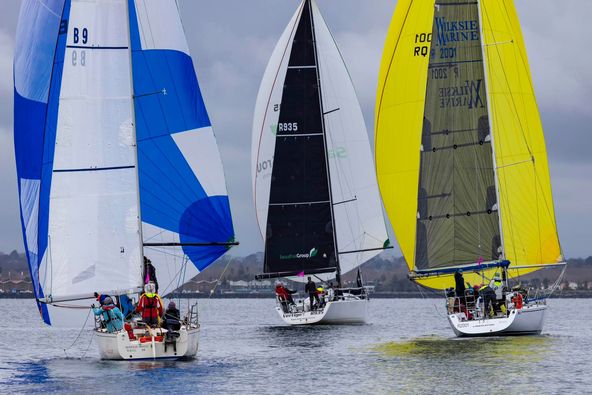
<point x="150" y="305"/>
<point x="284" y="293"/>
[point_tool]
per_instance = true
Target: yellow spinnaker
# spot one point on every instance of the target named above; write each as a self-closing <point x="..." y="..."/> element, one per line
<point x="527" y="214"/>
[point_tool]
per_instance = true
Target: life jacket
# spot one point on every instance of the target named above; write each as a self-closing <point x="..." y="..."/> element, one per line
<point x="150" y="306"/>
<point x="108" y="315"/>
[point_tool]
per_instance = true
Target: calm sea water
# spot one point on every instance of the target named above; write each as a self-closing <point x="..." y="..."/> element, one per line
<point x="407" y="347"/>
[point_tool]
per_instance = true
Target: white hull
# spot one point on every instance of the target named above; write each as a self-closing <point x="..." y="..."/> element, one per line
<point x="348" y="311"/>
<point x="118" y="346"/>
<point x="526" y="321"/>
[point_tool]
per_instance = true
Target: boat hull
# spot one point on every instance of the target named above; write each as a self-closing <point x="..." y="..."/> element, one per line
<point x="118" y="346"/>
<point x="348" y="311"/>
<point x="526" y="321"/>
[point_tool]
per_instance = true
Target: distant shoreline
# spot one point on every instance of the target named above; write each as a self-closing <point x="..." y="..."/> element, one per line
<point x="377" y="295"/>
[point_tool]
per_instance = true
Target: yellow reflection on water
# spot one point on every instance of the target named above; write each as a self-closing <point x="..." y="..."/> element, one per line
<point x="477" y="350"/>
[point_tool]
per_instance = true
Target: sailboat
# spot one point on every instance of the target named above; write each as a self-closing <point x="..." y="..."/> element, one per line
<point x="116" y="158"/>
<point x="315" y="190"/>
<point x="461" y="159"/>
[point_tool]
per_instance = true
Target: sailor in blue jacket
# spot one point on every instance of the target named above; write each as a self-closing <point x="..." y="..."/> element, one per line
<point x="111" y="315"/>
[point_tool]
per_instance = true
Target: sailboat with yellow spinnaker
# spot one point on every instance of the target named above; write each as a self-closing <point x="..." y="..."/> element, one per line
<point x="460" y="152"/>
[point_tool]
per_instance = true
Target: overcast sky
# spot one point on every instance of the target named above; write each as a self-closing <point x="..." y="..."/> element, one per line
<point x="231" y="41"/>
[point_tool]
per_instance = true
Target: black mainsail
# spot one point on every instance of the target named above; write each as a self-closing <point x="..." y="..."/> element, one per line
<point x="300" y="224"/>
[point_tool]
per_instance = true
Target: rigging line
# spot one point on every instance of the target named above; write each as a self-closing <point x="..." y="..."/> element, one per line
<point x="164" y="252"/>
<point x="511" y="94"/>
<point x="499" y="43"/>
<point x="170" y="284"/>
<point x="531" y="160"/>
<point x="79" y="333"/>
<point x="163" y="91"/>
<point x="156" y="235"/>
<point x="220" y="278"/>
<point x="89" y="343"/>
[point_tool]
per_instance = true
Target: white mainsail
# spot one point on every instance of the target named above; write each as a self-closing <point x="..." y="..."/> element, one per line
<point x="94" y="235"/>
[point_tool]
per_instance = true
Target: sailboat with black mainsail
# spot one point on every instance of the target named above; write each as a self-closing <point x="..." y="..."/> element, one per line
<point x="316" y="194"/>
<point x="115" y="157"/>
<point x="461" y="159"/>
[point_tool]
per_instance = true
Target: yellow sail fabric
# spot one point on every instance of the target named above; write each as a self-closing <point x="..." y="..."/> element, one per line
<point x="527" y="212"/>
<point x="399" y="116"/>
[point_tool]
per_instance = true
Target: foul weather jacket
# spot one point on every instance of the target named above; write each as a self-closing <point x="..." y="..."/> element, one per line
<point x="151" y="306"/>
<point x="111" y="316"/>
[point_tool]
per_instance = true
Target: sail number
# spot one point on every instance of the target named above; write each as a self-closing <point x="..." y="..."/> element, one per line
<point x="288" y="127"/>
<point x="448" y="53"/>
<point x="79" y="60"/>
<point x="80" y="34"/>
<point x="442" y="73"/>
<point x="422" y="47"/>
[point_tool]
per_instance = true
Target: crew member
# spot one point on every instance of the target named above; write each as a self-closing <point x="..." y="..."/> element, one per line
<point x="101" y="298"/>
<point x="311" y="289"/>
<point x="110" y="315"/>
<point x="172" y="317"/>
<point x="498" y="286"/>
<point x="150" y="305"/>
<point x="284" y="293"/>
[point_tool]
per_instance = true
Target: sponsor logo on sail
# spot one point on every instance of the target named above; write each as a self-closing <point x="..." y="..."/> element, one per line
<point x="264" y="166"/>
<point x="456" y="31"/>
<point x="337" y="153"/>
<point x="306" y="255"/>
<point x="465" y="95"/>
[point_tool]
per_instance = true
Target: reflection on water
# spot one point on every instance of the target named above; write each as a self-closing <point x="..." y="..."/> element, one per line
<point x="470" y="363"/>
<point x="517" y="348"/>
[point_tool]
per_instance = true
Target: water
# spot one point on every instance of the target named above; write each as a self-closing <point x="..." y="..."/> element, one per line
<point x="407" y="347"/>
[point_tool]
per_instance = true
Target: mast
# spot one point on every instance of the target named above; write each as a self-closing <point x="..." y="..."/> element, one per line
<point x="314" y="42"/>
<point x="490" y="121"/>
<point x="134" y="134"/>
